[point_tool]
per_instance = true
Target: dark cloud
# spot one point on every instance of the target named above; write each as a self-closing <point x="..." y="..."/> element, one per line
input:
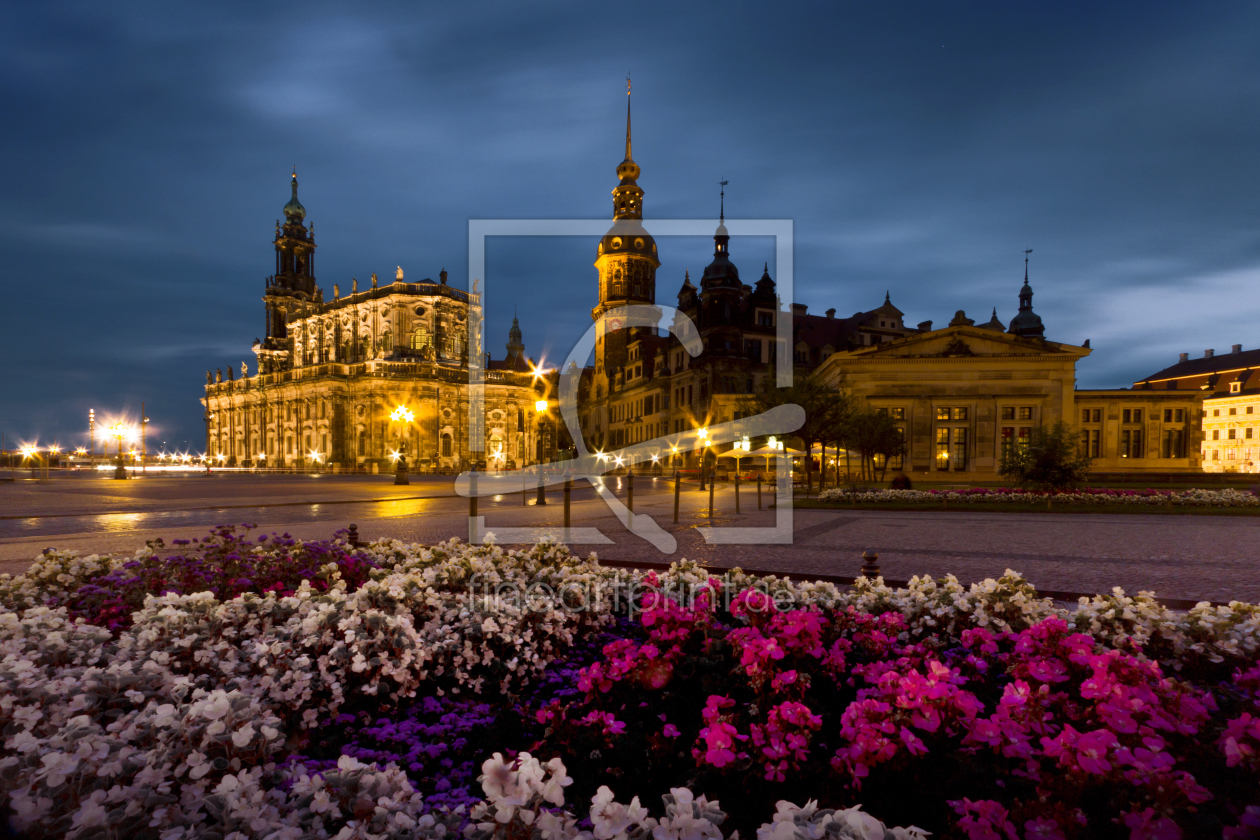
<point x="919" y="148"/>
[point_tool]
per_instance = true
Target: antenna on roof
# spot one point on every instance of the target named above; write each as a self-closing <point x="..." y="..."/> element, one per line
<point x="722" y="214"/>
<point x="1026" y="253"/>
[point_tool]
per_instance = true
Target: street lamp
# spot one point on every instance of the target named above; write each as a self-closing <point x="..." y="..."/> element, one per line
<point x="119" y="431"/>
<point x="540" y="408"/>
<point x="401" y="414"/>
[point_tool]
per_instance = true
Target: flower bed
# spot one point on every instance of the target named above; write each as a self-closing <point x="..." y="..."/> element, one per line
<point x="1089" y="496"/>
<point x="412" y="691"/>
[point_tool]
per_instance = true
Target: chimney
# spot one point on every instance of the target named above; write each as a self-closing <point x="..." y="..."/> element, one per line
<point x="925" y="326"/>
<point x="1184" y="357"/>
<point x="799" y="309"/>
<point x="1235" y="348"/>
<point x="831" y="313"/>
<point x="1207" y="354"/>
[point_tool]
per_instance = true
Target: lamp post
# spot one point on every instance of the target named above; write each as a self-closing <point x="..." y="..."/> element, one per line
<point x="119" y="431"/>
<point x="144" y="450"/>
<point x="401" y="414"/>
<point x="92" y="436"/>
<point x="540" y="408"/>
<point x="702" y="433"/>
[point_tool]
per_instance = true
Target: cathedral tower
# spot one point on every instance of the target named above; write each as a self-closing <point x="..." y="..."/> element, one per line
<point x="626" y="260"/>
<point x="291" y="290"/>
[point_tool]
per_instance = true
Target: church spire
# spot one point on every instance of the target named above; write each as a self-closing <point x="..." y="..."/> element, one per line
<point x="628" y="157"/>
<point x="628" y="197"/>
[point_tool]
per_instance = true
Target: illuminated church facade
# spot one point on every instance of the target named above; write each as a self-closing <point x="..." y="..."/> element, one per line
<point x="359" y="380"/>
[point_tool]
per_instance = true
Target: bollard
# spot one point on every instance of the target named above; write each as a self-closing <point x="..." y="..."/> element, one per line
<point x="677" y="490"/>
<point x="737" y="491"/>
<point x="568" y="491"/>
<point x="870" y="565"/>
<point x="712" y="475"/>
<point x="352" y="537"/>
<point x="758" y="491"/>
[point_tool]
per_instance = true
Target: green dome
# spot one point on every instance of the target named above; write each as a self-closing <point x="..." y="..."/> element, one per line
<point x="294" y="211"/>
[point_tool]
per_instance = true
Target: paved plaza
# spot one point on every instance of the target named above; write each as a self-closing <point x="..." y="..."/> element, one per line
<point x="1200" y="557"/>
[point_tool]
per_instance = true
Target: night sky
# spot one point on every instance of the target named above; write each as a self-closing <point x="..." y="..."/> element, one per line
<point x="918" y="147"/>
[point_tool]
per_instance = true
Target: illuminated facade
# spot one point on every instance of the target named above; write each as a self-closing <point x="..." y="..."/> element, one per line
<point x="331" y="373"/>
<point x="1228" y="388"/>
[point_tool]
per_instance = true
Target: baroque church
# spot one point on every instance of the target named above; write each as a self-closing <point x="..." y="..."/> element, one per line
<point x="361" y="380"/>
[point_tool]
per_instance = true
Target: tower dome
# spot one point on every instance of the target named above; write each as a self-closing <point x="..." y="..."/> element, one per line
<point x="1026" y="323"/>
<point x="721" y="272"/>
<point x="294" y="211"/>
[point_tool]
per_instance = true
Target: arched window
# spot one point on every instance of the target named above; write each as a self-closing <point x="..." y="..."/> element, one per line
<point x="362" y="443"/>
<point x="446" y="445"/>
<point x="420" y="339"/>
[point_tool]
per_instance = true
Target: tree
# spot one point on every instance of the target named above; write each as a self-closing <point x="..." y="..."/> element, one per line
<point x="1051" y="460"/>
<point x="874" y="435"/>
<point x="825" y="411"/>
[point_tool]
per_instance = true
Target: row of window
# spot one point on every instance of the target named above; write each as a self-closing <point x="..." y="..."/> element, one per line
<point x="1134" y="415"/>
<point x="1232" y="454"/>
<point x="1216" y="412"/>
<point x="1230" y="433"/>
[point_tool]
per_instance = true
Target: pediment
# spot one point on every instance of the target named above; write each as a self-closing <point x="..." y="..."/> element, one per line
<point x="965" y="341"/>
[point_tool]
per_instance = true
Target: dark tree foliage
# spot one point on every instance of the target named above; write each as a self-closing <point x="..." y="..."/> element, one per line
<point x="1051" y="460"/>
<point x="876" y="439"/>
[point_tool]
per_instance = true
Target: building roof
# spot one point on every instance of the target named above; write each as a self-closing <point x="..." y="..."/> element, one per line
<point x="1204" y="366"/>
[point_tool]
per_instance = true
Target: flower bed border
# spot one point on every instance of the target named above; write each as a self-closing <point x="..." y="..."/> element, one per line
<point x="845" y="580"/>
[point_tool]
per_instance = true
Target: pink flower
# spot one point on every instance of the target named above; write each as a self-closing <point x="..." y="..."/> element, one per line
<point x="1144" y="825"/>
<point x="1092" y="751"/>
<point x="1042" y="828"/>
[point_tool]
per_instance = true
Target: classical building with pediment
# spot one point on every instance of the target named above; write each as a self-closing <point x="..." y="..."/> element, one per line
<point x="965" y="393"/>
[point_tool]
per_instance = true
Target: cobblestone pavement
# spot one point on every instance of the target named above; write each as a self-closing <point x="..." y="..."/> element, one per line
<point x="1206" y="557"/>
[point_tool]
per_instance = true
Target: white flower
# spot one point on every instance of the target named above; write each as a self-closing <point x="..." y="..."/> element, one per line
<point x="92" y="812"/>
<point x="27" y="716"/>
<point x="243" y="736"/>
<point x="321" y="803"/>
<point x="56" y="767"/>
<point x="217" y="706"/>
<point x="553" y="790"/>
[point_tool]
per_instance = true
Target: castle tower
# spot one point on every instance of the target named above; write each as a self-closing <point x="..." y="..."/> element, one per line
<point x="626" y="261"/>
<point x="291" y="291"/>
<point x="515" y="345"/>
